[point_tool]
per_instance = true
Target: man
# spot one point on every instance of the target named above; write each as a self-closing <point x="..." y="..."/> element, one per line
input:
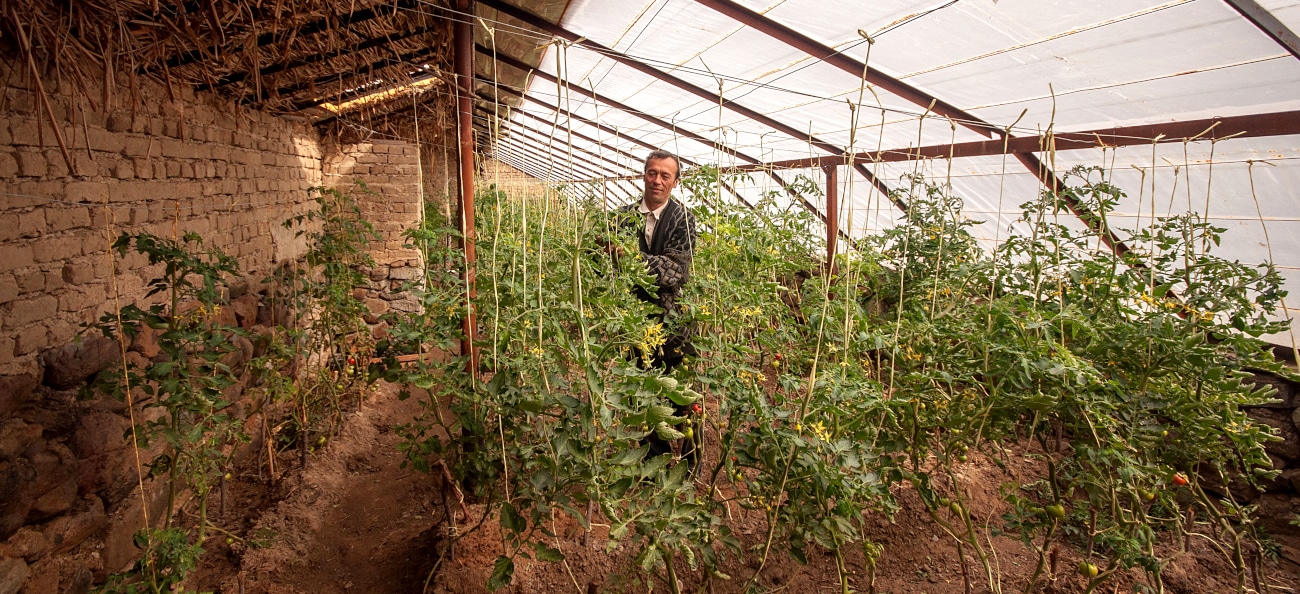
<point x="665" y="231"/>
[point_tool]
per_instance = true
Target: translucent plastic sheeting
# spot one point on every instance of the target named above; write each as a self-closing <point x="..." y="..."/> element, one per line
<point x="1286" y="11"/>
<point x="1062" y="64"/>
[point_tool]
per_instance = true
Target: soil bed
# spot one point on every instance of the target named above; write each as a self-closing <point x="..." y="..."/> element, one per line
<point x="353" y="520"/>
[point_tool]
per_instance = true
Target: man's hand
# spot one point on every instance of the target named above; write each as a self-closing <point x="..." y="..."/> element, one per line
<point x="611" y="248"/>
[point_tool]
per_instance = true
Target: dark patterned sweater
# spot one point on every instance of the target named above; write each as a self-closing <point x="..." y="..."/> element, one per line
<point x="668" y="257"/>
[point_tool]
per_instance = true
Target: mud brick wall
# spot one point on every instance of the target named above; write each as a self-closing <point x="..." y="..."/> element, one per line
<point x="69" y="483"/>
<point x="391" y="201"/>
<point x="143" y="164"/>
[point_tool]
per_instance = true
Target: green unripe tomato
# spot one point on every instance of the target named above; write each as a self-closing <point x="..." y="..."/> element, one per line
<point x="1055" y="511"/>
<point x="1087" y="569"/>
<point x="688" y="433"/>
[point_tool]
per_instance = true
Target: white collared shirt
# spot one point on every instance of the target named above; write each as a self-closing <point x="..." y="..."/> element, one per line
<point x="651" y="219"/>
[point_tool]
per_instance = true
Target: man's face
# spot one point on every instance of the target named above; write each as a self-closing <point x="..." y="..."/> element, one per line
<point x="660" y="179"/>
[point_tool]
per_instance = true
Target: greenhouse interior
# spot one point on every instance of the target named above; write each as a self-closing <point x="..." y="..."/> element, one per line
<point x="944" y="296"/>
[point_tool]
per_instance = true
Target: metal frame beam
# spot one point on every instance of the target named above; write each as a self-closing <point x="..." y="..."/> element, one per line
<point x="611" y="131"/>
<point x="616" y="165"/>
<point x="858" y="69"/>
<point x="463" y="44"/>
<point x="510" y="61"/>
<point x="1266" y="22"/>
<point x="714" y="98"/>
<point x="565" y="129"/>
<point x="578" y="165"/>
<point x="1246" y="126"/>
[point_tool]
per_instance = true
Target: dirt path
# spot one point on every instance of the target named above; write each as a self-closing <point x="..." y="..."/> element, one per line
<point x="353" y="521"/>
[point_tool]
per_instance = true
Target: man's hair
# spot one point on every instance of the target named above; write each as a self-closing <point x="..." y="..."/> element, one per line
<point x="658" y="154"/>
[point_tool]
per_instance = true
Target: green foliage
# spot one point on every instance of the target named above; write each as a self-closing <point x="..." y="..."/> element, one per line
<point x="1125" y="374"/>
<point x="189" y="378"/>
<point x="167" y="557"/>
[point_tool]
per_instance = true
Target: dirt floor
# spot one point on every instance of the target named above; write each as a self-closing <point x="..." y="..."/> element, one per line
<point x="353" y="520"/>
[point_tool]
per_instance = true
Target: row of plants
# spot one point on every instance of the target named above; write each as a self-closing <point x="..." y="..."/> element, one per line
<point x="1125" y="376"/>
<point x="820" y="397"/>
<point x="185" y="397"/>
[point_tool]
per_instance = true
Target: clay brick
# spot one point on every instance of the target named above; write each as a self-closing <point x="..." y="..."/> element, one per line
<point x="58" y="166"/>
<point x="54" y="280"/>
<point x="78" y="271"/>
<point x="141" y="147"/>
<point x="57" y="248"/>
<point x="8" y="288"/>
<point x="31" y="339"/>
<point x="143" y="168"/>
<point x="31" y="164"/>
<point x="24" y="132"/>
<point x="29" y="280"/>
<point x="31" y="224"/>
<point x="124" y="169"/>
<point x="127" y="191"/>
<point x="106" y="141"/>
<point x="173" y="169"/>
<point x="118" y="122"/>
<point x="26" y="311"/>
<point x="14" y="256"/>
<point x="83" y="297"/>
<point x="8" y="165"/>
<point x="87" y="192"/>
<point x="68" y="218"/>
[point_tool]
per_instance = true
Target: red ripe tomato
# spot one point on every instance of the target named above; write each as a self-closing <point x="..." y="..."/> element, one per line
<point x="1179" y="480"/>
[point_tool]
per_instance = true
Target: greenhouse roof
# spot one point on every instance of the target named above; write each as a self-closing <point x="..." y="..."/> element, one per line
<point x="1185" y="104"/>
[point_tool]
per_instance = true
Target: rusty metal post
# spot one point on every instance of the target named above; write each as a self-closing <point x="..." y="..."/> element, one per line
<point x="832" y="214"/>
<point x="463" y="37"/>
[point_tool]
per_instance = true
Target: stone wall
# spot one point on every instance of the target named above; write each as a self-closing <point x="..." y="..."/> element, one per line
<point x="70" y="496"/>
<point x="142" y="164"/>
<point x="391" y="201"/>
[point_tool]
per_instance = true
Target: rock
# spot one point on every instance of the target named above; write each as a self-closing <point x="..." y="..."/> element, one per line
<point x="405" y="273"/>
<point x="100" y="433"/>
<point x="1285" y="390"/>
<point x="1295" y="418"/>
<point x="239" y="288"/>
<point x="61" y="575"/>
<point x="68" y="531"/>
<point x="54" y="464"/>
<point x="1287" y="449"/>
<point x="245" y="308"/>
<point x="16" y="436"/>
<point x="45" y="576"/>
<point x="80" y="581"/>
<point x="225" y="317"/>
<point x="54" y="502"/>
<point x="28" y="543"/>
<point x="13" y="574"/>
<point x="16" y="478"/>
<point x="406" y="304"/>
<point x="15" y="391"/>
<point x="70" y="365"/>
<point x="241" y="355"/>
<point x="275" y="313"/>
<point x="119" y="550"/>
<point x="261" y="337"/>
<point x="111" y="475"/>
<point x="377" y="307"/>
<point x="146" y="342"/>
<point x="1292" y="476"/>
